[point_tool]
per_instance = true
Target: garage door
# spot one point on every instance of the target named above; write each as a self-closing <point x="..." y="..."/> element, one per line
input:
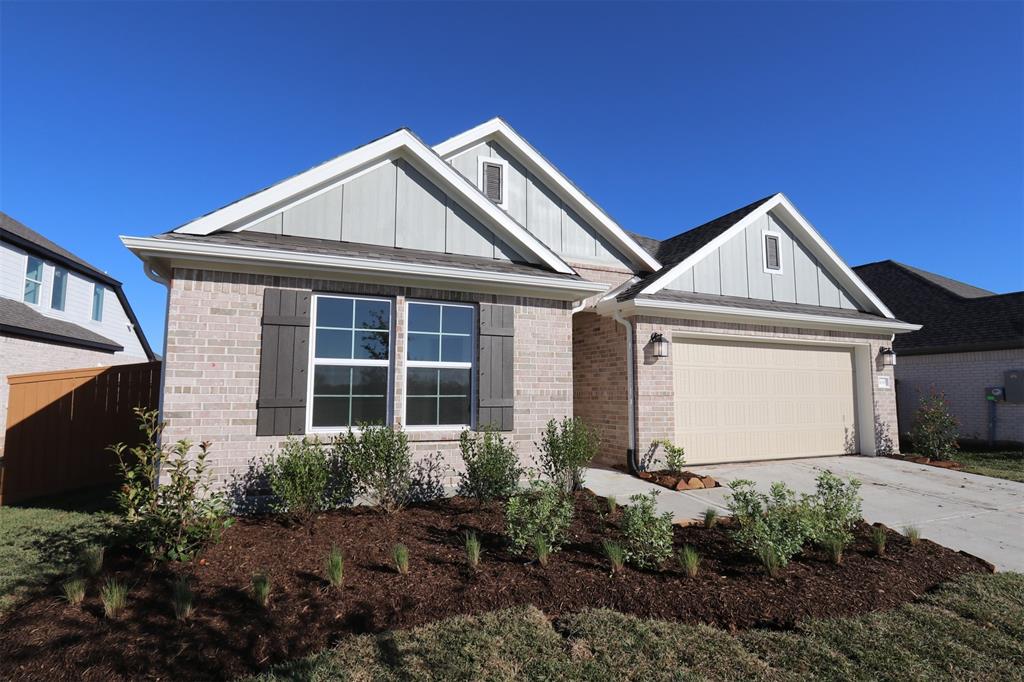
<point x="737" y="401"/>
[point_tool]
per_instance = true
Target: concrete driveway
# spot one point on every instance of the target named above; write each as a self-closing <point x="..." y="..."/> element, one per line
<point x="977" y="514"/>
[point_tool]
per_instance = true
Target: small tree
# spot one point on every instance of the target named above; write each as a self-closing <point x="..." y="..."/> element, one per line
<point x="935" y="430"/>
<point x="565" y="450"/>
<point x="492" y="467"/>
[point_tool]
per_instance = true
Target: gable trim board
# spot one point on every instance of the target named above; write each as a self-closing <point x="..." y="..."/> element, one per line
<point x="498" y="130"/>
<point x="780" y="205"/>
<point x="181" y="253"/>
<point x="401" y="144"/>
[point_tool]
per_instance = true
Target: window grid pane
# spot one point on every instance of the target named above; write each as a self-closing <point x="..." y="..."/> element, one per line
<point x="33" y="279"/>
<point x="60" y="288"/>
<point x="97" y="303"/>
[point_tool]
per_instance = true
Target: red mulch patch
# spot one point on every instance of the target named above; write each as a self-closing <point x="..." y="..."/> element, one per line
<point x="229" y="635"/>
<point x="683" y="480"/>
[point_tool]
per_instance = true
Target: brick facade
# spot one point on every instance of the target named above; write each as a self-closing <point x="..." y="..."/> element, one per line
<point x="600" y="392"/>
<point x="213" y="350"/>
<point x="963" y="377"/>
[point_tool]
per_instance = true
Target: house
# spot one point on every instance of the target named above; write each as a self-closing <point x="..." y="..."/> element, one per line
<point x="971" y="341"/>
<point x="473" y="284"/>
<point x="58" y="312"/>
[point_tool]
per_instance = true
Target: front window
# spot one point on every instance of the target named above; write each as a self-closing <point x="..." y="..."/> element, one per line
<point x="97" y="303"/>
<point x="33" y="280"/>
<point x="351" y="359"/>
<point x="60" y="288"/>
<point x="439" y="370"/>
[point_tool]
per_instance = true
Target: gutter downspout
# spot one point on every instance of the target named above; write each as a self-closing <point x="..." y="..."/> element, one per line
<point x="631" y="454"/>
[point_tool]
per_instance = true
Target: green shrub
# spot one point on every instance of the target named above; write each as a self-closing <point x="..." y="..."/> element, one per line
<point x="834" y="547"/>
<point x="648" y="535"/>
<point x="335" y="568"/>
<point x="543" y="510"/>
<point x="912" y="533"/>
<point x="176" y="519"/>
<point x="675" y="458"/>
<point x="710" y="517"/>
<point x="611" y="505"/>
<point x="472" y="550"/>
<point x="541" y="549"/>
<point x="306" y="478"/>
<point x="689" y="560"/>
<point x="74" y="591"/>
<point x="935" y="430"/>
<point x="92" y="560"/>
<point x="878" y="539"/>
<point x="773" y="527"/>
<point x="114" y="595"/>
<point x="565" y="450"/>
<point x="835" y="508"/>
<point x="261" y="589"/>
<point x="400" y="556"/>
<point x="492" y="466"/>
<point x="381" y="465"/>
<point x="182" y="598"/>
<point x="616" y="555"/>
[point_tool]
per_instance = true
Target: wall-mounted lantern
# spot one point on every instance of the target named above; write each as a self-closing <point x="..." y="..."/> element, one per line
<point x="888" y="357"/>
<point x="659" y="345"/>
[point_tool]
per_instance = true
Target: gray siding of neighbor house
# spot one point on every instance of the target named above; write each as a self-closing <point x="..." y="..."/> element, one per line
<point x="736" y="268"/>
<point x="393" y="205"/>
<point x="539" y="209"/>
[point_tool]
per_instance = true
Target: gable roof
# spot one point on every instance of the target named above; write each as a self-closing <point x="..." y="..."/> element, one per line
<point x="685" y="250"/>
<point x="497" y="129"/>
<point x="402" y="143"/>
<point x="19" y="319"/>
<point x="956" y="316"/>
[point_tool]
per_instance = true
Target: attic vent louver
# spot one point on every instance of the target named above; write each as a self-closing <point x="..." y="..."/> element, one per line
<point x="772" y="257"/>
<point x="492" y="181"/>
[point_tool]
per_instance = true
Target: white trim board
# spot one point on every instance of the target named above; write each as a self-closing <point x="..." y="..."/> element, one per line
<point x="504" y="134"/>
<point x="785" y="211"/>
<point x="400" y="144"/>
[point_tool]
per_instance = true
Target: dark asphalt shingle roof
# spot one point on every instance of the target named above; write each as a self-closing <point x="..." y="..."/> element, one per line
<point x="956" y="317"/>
<point x="20" y="319"/>
<point x="336" y="248"/>
<point x="759" y="304"/>
<point x="22" y="232"/>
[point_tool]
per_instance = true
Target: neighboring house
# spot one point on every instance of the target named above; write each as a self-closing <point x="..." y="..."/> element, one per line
<point x="970" y="340"/>
<point x="58" y="312"/>
<point x="473" y="284"/>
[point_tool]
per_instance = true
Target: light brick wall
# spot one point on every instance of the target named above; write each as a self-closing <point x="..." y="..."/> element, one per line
<point x="600" y="393"/>
<point x="963" y="377"/>
<point x="212" y="366"/>
<point x="22" y="356"/>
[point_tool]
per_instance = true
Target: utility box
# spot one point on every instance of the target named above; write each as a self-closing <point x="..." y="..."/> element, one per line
<point x="1013" y="386"/>
<point x="995" y="394"/>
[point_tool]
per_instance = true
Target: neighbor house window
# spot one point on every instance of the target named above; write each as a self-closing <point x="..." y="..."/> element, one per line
<point x="33" y="279"/>
<point x="439" y="367"/>
<point x="772" y="253"/>
<point x="351" y="361"/>
<point x="97" y="302"/>
<point x="60" y="288"/>
<point x="492" y="174"/>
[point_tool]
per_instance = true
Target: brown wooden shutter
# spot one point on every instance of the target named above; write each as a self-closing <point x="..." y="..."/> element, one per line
<point x="284" y="357"/>
<point x="492" y="181"/>
<point x="496" y="390"/>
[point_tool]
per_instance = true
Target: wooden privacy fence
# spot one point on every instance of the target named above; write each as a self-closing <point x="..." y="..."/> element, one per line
<point x="59" y="425"/>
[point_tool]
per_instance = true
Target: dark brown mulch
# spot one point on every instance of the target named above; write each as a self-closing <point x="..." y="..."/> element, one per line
<point x="230" y="635"/>
<point x="941" y="463"/>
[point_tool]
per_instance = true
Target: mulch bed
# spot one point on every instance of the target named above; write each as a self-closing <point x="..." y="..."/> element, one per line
<point x="940" y="463"/>
<point x="683" y="480"/>
<point x="229" y="635"/>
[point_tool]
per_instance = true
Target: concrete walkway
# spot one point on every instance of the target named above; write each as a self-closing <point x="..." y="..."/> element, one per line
<point x="977" y="514"/>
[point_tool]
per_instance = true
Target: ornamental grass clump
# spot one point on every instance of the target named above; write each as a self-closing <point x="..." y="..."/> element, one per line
<point x="472" y="550"/>
<point x="492" y="468"/>
<point x="648" y="535"/>
<point x="878" y="539"/>
<point x="834" y="547"/>
<point x="335" y="568"/>
<point x="92" y="560"/>
<point x="616" y="555"/>
<point x="400" y="557"/>
<point x="912" y="533"/>
<point x="114" y="595"/>
<point x="541" y="550"/>
<point x="543" y="510"/>
<point x="611" y="505"/>
<point x="74" y="591"/>
<point x="689" y="561"/>
<point x="182" y="598"/>
<point x="261" y="589"/>
<point x="710" y="517"/>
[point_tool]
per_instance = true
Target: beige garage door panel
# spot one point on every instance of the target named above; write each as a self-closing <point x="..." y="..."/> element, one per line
<point x="744" y="401"/>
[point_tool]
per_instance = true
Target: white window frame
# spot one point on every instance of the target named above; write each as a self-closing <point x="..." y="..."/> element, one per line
<point x="430" y="364"/>
<point x="39" y="283"/>
<point x="480" y="161"/>
<point x="764" y="252"/>
<point x="349" y="362"/>
<point x="97" y="288"/>
<point x="63" y="290"/>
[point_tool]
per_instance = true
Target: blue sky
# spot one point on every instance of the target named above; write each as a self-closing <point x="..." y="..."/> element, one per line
<point x="895" y="128"/>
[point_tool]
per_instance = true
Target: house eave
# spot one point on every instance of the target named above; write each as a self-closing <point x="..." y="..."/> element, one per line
<point x="164" y="255"/>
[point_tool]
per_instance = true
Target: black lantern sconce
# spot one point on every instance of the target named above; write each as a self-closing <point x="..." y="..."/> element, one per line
<point x="888" y="357"/>
<point x="659" y="345"/>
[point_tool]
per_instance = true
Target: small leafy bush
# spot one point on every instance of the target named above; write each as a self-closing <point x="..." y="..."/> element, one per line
<point x="616" y="555"/>
<point x="648" y="535"/>
<point x="675" y="458"/>
<point x="381" y="464"/>
<point x="92" y="560"/>
<point x="492" y="466"/>
<point x="543" y="510"/>
<point x="306" y="478"/>
<point x="175" y="519"/>
<point x="114" y="595"/>
<point x="261" y="589"/>
<point x="400" y="556"/>
<point x="472" y="550"/>
<point x="689" y="561"/>
<point x="427" y="478"/>
<point x="774" y="527"/>
<point x="565" y="450"/>
<point x="912" y="533"/>
<point x="74" y="591"/>
<point x="182" y="598"/>
<point x="541" y="549"/>
<point x="935" y="430"/>
<point x="878" y="539"/>
<point x="835" y="508"/>
<point x="335" y="568"/>
<point x="710" y="517"/>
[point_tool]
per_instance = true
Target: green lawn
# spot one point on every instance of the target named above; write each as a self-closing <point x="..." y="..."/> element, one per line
<point x="1009" y="465"/>
<point x="38" y="544"/>
<point x="970" y="629"/>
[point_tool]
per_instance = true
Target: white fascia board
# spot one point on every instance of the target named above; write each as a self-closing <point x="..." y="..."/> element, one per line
<point x="403" y="144"/>
<point x="498" y="129"/>
<point x="809" y="237"/>
<point x="176" y="253"/>
<point x="718" y="313"/>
